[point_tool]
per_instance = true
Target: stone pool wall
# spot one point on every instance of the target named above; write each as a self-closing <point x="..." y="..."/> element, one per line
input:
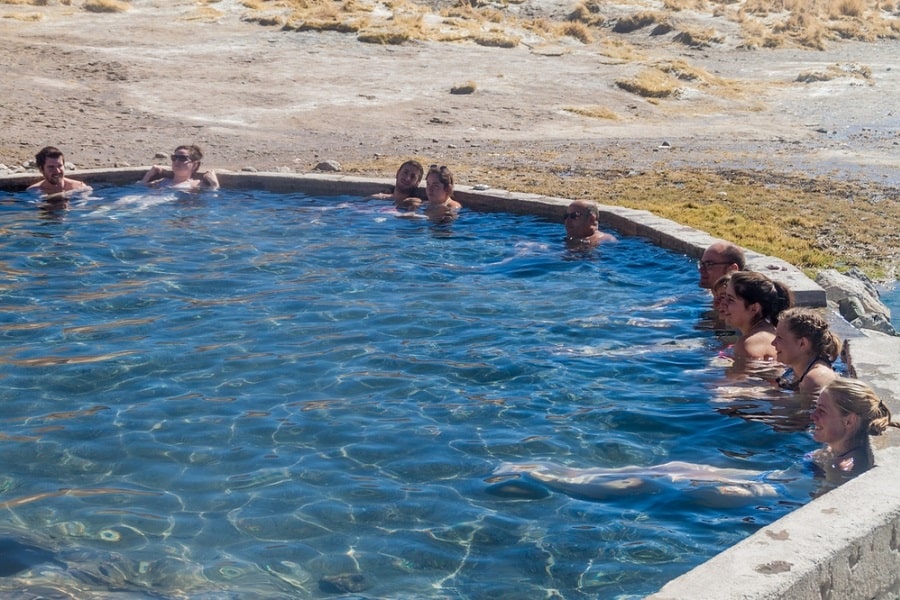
<point x="843" y="545"/>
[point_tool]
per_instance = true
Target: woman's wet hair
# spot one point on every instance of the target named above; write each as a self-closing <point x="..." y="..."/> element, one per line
<point x="773" y="296"/>
<point x="445" y="176"/>
<point x="806" y="323"/>
<point x="852" y="396"/>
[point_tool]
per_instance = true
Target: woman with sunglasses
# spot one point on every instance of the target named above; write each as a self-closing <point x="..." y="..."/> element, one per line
<point x="185" y="163"/>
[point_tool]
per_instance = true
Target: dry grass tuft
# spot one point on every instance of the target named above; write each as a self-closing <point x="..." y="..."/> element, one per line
<point x="462" y="89"/>
<point x="846" y="8"/>
<point x="26" y="17"/>
<point x="593" y="112"/>
<point x="650" y="83"/>
<point x="853" y="70"/>
<point x="638" y="21"/>
<point x="105" y="6"/>
<point x="577" y="30"/>
<point x="496" y="40"/>
<point x="588" y="12"/>
<point x="698" y="38"/>
<point x="383" y="37"/>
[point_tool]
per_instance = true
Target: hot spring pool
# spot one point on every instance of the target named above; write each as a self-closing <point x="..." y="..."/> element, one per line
<point x="255" y="395"/>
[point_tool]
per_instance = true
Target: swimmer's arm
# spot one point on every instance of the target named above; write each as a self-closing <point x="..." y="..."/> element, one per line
<point x="209" y="180"/>
<point x="155" y="174"/>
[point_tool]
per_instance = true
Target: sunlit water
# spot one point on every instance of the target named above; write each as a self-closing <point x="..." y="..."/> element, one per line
<point x="253" y="395"/>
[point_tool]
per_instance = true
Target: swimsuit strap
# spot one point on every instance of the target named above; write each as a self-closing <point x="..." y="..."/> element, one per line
<point x="810" y="366"/>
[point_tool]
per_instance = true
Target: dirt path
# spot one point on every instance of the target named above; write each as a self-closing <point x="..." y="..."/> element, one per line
<point x="117" y="88"/>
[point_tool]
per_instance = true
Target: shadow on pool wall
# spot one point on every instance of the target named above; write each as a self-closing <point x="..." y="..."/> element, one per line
<point x="841" y="545"/>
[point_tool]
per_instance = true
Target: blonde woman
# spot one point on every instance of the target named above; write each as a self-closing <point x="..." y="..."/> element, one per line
<point x="804" y="343"/>
<point x="846" y="414"/>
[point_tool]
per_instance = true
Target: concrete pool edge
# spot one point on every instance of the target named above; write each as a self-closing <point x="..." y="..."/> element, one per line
<point x="845" y="544"/>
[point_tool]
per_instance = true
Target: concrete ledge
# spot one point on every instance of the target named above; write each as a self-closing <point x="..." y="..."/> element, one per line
<point x="844" y="545"/>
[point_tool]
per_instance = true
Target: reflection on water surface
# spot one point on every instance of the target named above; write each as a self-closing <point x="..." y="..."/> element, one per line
<point x="252" y="395"/>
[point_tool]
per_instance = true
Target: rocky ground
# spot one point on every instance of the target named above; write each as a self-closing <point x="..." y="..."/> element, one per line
<point x="118" y="88"/>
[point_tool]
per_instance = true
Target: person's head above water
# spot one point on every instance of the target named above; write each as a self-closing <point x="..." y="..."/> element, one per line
<point x="186" y="158"/>
<point x="717" y="260"/>
<point x="581" y="221"/>
<point x="439" y="184"/>
<point x="52" y="165"/>
<point x="804" y="342"/>
<point x="752" y="297"/>
<point x="847" y="412"/>
<point x="185" y="163"/>
<point x="408" y="177"/>
<point x="805" y="332"/>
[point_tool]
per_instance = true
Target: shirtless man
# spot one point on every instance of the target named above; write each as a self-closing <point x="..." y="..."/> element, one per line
<point x="407" y="184"/>
<point x="581" y="221"/>
<point x="52" y="165"/>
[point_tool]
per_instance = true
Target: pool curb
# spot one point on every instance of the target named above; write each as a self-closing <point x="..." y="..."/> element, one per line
<point x="845" y="544"/>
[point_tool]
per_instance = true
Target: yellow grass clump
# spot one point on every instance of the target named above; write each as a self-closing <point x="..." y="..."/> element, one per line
<point x="588" y="12"/>
<point x="698" y="38"/>
<point x="383" y="37"/>
<point x="574" y="29"/>
<point x="593" y="112"/>
<point x="496" y="40"/>
<point x="105" y="6"/>
<point x="26" y="17"/>
<point x="650" y="83"/>
<point x="639" y="20"/>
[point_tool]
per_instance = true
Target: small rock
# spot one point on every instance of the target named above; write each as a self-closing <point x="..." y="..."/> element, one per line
<point x="283" y="170"/>
<point x="343" y="582"/>
<point x="161" y="156"/>
<point x="250" y="170"/>
<point x="481" y="187"/>
<point x="328" y="165"/>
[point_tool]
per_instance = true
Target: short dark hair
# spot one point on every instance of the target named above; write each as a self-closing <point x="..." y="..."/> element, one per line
<point x="47" y="152"/>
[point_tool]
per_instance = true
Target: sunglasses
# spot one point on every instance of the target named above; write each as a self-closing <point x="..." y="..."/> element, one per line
<point x="180" y="158"/>
<point x="571" y="215"/>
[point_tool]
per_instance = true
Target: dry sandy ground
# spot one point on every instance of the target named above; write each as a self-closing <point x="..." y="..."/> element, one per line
<point x="115" y="89"/>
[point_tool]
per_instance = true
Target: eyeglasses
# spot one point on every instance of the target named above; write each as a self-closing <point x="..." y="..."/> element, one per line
<point x="571" y="215"/>
<point x="704" y="265"/>
<point x="180" y="158"/>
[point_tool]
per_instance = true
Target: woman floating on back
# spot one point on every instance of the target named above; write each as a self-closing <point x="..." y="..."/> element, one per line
<point x="846" y="414"/>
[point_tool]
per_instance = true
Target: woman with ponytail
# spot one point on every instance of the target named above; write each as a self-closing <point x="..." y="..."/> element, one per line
<point x="804" y="343"/>
<point x="846" y="414"/>
<point x="752" y="304"/>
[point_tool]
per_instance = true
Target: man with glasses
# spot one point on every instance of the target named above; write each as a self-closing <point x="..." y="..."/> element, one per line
<point x="52" y="165"/>
<point x="717" y="260"/>
<point x="581" y="221"/>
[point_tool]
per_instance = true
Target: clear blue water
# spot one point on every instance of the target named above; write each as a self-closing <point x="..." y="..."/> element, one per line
<point x="246" y="394"/>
